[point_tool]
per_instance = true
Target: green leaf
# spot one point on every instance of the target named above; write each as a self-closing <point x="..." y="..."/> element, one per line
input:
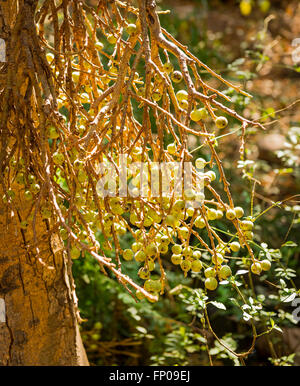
<point x="141" y="329"/>
<point x="242" y="272"/>
<point x="290" y="298"/>
<point x="246" y="306"/>
<point x="218" y="305"/>
<point x="246" y="316"/>
<point x="283" y="283"/>
<point x="289" y="244"/>
<point x="238" y="62"/>
<point x="277" y="328"/>
<point x="224" y="282"/>
<point x="234" y="301"/>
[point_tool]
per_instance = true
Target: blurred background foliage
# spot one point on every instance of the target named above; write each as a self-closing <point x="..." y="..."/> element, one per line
<point x="248" y="42"/>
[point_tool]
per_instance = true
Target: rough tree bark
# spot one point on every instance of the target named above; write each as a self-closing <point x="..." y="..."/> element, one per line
<point x="38" y="326"/>
<point x="38" y="323"/>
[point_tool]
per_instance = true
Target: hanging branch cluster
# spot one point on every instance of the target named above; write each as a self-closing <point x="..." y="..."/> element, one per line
<point x="83" y="86"/>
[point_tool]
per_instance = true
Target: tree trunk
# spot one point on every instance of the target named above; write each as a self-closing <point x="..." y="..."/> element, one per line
<point x="38" y="318"/>
<point x="38" y="323"/>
